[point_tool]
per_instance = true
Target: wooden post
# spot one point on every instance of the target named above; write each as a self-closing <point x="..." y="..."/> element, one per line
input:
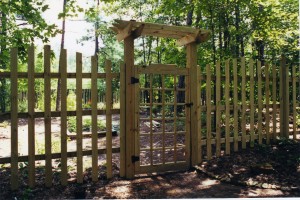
<point x="267" y="94"/>
<point x="108" y="119"/>
<point x="284" y="98"/>
<point x="274" y="113"/>
<point x="208" y="112"/>
<point x="227" y="107"/>
<point x="79" y="117"/>
<point x="94" y="120"/>
<point x="31" y="120"/>
<point x="47" y="115"/>
<point x="196" y="154"/>
<point x="63" y="115"/>
<point x="14" y="118"/>
<point x="259" y="99"/>
<point x="294" y="101"/>
<point x="218" y="109"/>
<point x="243" y="121"/>
<point x="122" y="119"/>
<point x="252" y="107"/>
<point x="235" y="106"/>
<point x="130" y="105"/>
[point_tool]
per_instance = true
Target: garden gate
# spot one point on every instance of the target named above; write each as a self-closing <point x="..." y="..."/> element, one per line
<point x="163" y="133"/>
<point x="165" y="137"/>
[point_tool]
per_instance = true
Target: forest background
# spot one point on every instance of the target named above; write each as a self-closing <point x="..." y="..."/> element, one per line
<point x="262" y="30"/>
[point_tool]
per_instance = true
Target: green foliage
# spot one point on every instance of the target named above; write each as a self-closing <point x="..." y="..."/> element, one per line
<point x="86" y="124"/>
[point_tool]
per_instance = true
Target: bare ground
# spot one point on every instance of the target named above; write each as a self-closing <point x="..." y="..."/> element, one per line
<point x="267" y="171"/>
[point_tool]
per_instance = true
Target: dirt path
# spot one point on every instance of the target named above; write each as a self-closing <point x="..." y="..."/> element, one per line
<point x="188" y="184"/>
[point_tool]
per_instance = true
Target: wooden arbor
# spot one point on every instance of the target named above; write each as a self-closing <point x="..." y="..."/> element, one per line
<point x="130" y="30"/>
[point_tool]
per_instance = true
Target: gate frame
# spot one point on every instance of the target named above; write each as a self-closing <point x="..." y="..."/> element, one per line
<point x="186" y="36"/>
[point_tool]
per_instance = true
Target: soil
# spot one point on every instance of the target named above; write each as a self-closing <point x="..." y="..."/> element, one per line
<point x="267" y="171"/>
<point x="262" y="171"/>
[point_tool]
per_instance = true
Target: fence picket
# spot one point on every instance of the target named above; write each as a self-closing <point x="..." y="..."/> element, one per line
<point x="274" y="111"/>
<point x="244" y="105"/>
<point x="14" y="118"/>
<point x="267" y="94"/>
<point x="63" y="126"/>
<point x="122" y="118"/>
<point x="227" y="107"/>
<point x="218" y="109"/>
<point x="294" y="76"/>
<point x="31" y="120"/>
<point x="108" y="118"/>
<point x="235" y="106"/>
<point x="47" y="117"/>
<point x="259" y="99"/>
<point x="79" y="117"/>
<point x="252" y="108"/>
<point x="94" y="120"/>
<point x="208" y="112"/>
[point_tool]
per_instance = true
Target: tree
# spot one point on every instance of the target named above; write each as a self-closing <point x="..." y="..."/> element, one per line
<point x="21" y="24"/>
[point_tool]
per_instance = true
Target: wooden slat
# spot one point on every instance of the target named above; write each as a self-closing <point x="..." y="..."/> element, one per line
<point x="151" y="120"/>
<point x="294" y="101"/>
<point x="54" y="75"/>
<point x="122" y="118"/>
<point x="208" y="112"/>
<point x="108" y="99"/>
<point x="235" y="105"/>
<point x="94" y="120"/>
<point x="259" y="99"/>
<point x="274" y="112"/>
<point x="63" y="126"/>
<point x="243" y="121"/>
<point x="24" y="115"/>
<point x="200" y="157"/>
<point x="175" y="118"/>
<point x="14" y="118"/>
<point x="162" y="69"/>
<point x="70" y="154"/>
<point x="79" y="117"/>
<point x="187" y="148"/>
<point x="163" y="120"/>
<point x="31" y="120"/>
<point x="47" y="117"/>
<point x="252" y="107"/>
<point x="227" y="111"/>
<point x="218" y="110"/>
<point x="267" y="94"/>
<point x="137" y="121"/>
<point x="284" y="98"/>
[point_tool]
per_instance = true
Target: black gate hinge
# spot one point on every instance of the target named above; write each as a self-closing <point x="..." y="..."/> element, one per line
<point x="134" y="80"/>
<point x="135" y="159"/>
<point x="189" y="104"/>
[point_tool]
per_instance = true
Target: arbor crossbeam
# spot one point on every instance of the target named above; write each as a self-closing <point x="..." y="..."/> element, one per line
<point x="184" y="35"/>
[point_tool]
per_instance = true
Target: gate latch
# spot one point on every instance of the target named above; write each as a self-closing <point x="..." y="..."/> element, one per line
<point x="135" y="159"/>
<point x="189" y="104"/>
<point x="134" y="80"/>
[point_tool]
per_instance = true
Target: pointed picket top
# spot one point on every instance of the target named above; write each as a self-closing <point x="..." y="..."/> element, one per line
<point x="184" y="35"/>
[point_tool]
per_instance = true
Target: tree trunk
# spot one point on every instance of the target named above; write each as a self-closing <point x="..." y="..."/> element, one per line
<point x="237" y="27"/>
<point x="181" y="80"/>
<point x="62" y="44"/>
<point x="96" y="33"/>
<point x="3" y="48"/>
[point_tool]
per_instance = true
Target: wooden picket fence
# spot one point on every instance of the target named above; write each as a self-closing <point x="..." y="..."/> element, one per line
<point x="233" y="118"/>
<point x="240" y="105"/>
<point x="48" y="114"/>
